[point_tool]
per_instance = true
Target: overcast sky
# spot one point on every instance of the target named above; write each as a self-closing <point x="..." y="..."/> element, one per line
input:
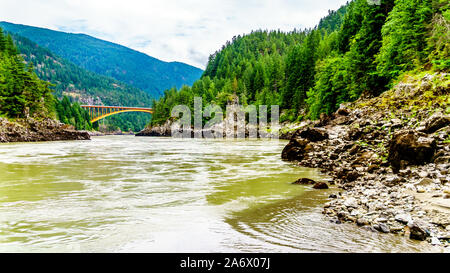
<point x="171" y="30"/>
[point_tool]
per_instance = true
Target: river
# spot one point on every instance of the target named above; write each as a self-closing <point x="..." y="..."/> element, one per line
<point x="148" y="194"/>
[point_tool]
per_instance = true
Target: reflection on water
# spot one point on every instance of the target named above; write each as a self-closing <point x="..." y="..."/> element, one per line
<point x="127" y="194"/>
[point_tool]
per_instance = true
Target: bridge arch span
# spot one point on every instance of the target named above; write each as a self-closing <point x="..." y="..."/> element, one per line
<point x="98" y="112"/>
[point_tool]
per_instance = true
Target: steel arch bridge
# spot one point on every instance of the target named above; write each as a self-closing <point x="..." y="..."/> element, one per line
<point x="97" y="112"/>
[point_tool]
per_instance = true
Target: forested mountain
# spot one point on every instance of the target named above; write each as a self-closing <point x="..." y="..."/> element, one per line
<point x="109" y="59"/>
<point x="24" y="95"/>
<point x="360" y="49"/>
<point x="84" y="86"/>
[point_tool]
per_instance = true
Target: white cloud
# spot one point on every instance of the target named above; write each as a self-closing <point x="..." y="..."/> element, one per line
<point x="171" y="30"/>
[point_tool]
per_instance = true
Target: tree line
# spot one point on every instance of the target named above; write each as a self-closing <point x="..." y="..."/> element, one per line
<point x="82" y="85"/>
<point x="360" y="49"/>
<point x="21" y="91"/>
<point x="23" y="94"/>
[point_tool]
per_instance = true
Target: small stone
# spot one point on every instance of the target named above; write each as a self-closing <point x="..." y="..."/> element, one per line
<point x="361" y="222"/>
<point x="417" y="232"/>
<point x="425" y="182"/>
<point x="342" y="215"/>
<point x="384" y="228"/>
<point x="355" y="212"/>
<point x="420" y="189"/>
<point x="403" y="218"/>
<point x="396" y="230"/>
<point x="372" y="168"/>
<point x="351" y="202"/>
<point x="435" y="241"/>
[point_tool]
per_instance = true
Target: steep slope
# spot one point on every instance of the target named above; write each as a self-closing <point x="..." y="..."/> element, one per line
<point x="109" y="59"/>
<point x="85" y="86"/>
<point x="359" y="50"/>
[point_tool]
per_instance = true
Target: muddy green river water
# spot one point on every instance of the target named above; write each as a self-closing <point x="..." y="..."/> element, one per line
<point x="131" y="194"/>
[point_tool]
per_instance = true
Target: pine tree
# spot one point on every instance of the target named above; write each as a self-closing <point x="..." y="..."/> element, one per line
<point x="404" y="37"/>
<point x="2" y="41"/>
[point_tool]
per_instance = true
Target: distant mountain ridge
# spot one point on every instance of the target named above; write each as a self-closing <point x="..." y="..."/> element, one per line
<point x="110" y="59"/>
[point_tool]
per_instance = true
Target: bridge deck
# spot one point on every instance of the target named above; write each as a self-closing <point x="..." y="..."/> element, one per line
<point x="97" y="112"/>
<point x="114" y="107"/>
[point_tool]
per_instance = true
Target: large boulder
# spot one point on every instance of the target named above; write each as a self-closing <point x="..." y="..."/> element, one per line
<point x="314" y="134"/>
<point x="409" y="147"/>
<point x="436" y="122"/>
<point x="343" y="112"/>
<point x="295" y="150"/>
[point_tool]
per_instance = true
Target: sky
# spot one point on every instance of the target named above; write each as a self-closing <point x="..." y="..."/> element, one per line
<point x="171" y="30"/>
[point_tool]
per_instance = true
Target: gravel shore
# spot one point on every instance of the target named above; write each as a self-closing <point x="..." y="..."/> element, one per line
<point x="390" y="158"/>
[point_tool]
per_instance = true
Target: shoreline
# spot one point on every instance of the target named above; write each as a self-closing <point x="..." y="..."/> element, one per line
<point x="31" y="130"/>
<point x="391" y="162"/>
<point x="47" y="129"/>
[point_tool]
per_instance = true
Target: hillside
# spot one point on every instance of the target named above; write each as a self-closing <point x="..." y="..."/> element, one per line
<point x="84" y="86"/>
<point x="27" y="106"/>
<point x="109" y="59"/>
<point x="361" y="49"/>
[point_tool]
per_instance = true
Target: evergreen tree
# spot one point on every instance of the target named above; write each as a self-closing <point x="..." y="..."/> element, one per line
<point x="404" y="37"/>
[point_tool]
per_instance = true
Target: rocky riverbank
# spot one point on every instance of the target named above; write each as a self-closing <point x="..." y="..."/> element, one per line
<point x="160" y="130"/>
<point x="31" y="130"/>
<point x="390" y="158"/>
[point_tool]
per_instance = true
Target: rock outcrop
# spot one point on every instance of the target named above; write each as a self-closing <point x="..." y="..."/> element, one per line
<point x="160" y="130"/>
<point x="295" y="150"/>
<point x="31" y="130"/>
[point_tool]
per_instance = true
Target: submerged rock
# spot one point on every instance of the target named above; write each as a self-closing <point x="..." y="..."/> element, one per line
<point x="320" y="185"/>
<point x="304" y="181"/>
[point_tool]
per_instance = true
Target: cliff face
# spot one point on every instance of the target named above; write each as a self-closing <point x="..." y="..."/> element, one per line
<point x="391" y="157"/>
<point x="31" y="130"/>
